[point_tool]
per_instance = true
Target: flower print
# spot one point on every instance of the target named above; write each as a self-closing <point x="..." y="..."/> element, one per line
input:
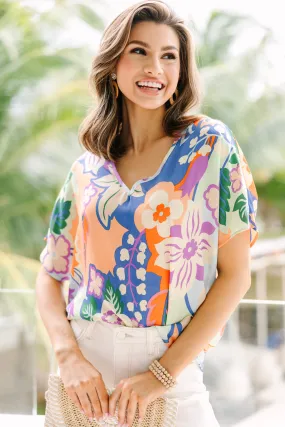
<point x="193" y="142"/>
<point x="183" y="159"/>
<point x="57" y="256"/>
<point x="92" y="163"/>
<point x="211" y="196"/>
<point x="95" y="282"/>
<point x="135" y="323"/>
<point x="204" y="130"/>
<point x="130" y="306"/>
<point x="138" y="316"/>
<point x="235" y="177"/>
<point x="123" y="289"/>
<point x="131" y="239"/>
<point x="161" y="212"/>
<point x="205" y="150"/>
<point x="89" y="192"/>
<point x="183" y="254"/>
<point x="141" y="289"/>
<point x="111" y="317"/>
<point x="245" y="169"/>
<point x="142" y="247"/>
<point x="192" y="157"/>
<point x="143" y="305"/>
<point x="121" y="273"/>
<point x="222" y="129"/>
<point x="124" y="255"/>
<point x="141" y="257"/>
<point x="140" y="273"/>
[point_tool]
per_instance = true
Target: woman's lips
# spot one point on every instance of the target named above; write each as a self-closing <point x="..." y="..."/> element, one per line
<point x="148" y="90"/>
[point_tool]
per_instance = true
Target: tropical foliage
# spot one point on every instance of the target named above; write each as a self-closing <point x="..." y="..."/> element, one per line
<point x="44" y="96"/>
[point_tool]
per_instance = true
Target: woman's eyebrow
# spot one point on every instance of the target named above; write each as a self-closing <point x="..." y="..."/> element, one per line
<point x="148" y="46"/>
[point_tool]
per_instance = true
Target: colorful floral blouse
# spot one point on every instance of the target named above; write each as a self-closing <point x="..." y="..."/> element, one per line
<point x="148" y="255"/>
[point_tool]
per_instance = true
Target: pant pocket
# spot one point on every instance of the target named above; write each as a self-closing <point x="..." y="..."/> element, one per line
<point x="79" y="330"/>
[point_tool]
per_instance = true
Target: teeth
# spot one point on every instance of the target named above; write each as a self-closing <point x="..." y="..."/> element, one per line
<point x="150" y="84"/>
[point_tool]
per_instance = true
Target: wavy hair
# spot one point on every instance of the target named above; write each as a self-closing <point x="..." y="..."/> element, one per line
<point x="98" y="132"/>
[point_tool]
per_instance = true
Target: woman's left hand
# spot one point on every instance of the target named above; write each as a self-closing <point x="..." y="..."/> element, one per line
<point x="138" y="390"/>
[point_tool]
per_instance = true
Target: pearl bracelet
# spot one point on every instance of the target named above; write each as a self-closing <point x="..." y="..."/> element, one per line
<point x="161" y="374"/>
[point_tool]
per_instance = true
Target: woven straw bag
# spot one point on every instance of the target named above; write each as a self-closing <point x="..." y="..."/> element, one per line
<point x="62" y="412"/>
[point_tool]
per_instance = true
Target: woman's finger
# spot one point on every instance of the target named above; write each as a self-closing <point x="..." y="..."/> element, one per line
<point x="142" y="409"/>
<point x="95" y="402"/>
<point x="103" y="396"/>
<point x="115" y="396"/>
<point x="86" y="404"/>
<point x="74" y="398"/>
<point x="132" y="407"/>
<point x="123" y="405"/>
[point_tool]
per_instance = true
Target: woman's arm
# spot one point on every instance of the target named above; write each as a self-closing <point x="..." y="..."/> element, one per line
<point x="232" y="283"/>
<point x="80" y="378"/>
<point x="51" y="306"/>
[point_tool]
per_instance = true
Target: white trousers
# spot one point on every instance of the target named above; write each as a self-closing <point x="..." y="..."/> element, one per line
<point x="119" y="352"/>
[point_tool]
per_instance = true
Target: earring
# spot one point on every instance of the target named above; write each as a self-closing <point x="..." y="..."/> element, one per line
<point x="171" y="100"/>
<point x="115" y="84"/>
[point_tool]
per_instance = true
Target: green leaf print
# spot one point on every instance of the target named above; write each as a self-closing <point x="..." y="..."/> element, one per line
<point x="88" y="308"/>
<point x="60" y="214"/>
<point x="234" y="159"/>
<point x="225" y="195"/>
<point x="114" y="297"/>
<point x="241" y="206"/>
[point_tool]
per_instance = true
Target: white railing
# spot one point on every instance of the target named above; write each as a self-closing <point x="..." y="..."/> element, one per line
<point x="265" y="255"/>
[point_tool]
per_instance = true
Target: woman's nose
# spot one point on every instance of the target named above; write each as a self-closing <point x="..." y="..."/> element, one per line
<point x="153" y="66"/>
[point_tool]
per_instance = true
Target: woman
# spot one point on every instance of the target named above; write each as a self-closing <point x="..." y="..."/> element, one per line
<point x="152" y="228"/>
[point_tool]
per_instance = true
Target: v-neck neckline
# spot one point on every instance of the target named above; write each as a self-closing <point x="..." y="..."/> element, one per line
<point x="114" y="170"/>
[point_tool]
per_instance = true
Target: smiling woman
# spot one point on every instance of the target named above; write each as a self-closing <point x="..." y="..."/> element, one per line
<point x="152" y="228"/>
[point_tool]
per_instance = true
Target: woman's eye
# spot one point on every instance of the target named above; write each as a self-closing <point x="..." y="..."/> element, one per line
<point x="137" y="48"/>
<point x="171" y="55"/>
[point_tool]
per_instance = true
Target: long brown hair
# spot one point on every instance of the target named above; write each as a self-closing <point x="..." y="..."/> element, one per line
<point x="98" y="132"/>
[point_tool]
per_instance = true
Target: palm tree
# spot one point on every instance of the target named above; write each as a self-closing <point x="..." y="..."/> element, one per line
<point x="258" y="122"/>
<point x="44" y="96"/>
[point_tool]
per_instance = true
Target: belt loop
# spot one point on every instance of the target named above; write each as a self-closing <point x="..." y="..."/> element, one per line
<point x="149" y="341"/>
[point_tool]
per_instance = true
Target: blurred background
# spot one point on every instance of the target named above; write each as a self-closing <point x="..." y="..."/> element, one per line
<point x="46" y="50"/>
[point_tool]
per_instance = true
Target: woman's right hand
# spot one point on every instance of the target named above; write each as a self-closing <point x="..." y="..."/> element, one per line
<point x="83" y="382"/>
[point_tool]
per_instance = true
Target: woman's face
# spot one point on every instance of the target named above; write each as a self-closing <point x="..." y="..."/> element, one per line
<point x="156" y="57"/>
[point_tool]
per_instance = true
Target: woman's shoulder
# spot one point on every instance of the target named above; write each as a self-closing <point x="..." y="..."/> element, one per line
<point x="208" y="126"/>
<point x="87" y="162"/>
<point x="206" y="130"/>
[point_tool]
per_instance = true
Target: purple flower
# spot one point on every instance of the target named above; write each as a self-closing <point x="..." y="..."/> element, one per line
<point x="184" y="255"/>
<point x="211" y="196"/>
<point x="95" y="282"/>
<point x="56" y="259"/>
<point x="235" y="177"/>
<point x="111" y="317"/>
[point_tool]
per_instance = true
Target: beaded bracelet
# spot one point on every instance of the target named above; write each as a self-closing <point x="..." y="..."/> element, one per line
<point x="161" y="374"/>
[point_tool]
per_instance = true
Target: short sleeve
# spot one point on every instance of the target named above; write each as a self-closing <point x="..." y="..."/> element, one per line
<point x="57" y="256"/>
<point x="238" y="196"/>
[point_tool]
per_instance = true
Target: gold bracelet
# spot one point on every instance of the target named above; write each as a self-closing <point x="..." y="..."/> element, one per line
<point x="162" y="374"/>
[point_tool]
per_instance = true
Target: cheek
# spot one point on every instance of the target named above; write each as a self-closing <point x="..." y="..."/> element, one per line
<point x="127" y="65"/>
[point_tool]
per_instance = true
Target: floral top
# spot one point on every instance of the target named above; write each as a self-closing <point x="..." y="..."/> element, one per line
<point x="148" y="255"/>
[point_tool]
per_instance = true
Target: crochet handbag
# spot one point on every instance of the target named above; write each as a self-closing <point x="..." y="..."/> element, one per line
<point x="62" y="412"/>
